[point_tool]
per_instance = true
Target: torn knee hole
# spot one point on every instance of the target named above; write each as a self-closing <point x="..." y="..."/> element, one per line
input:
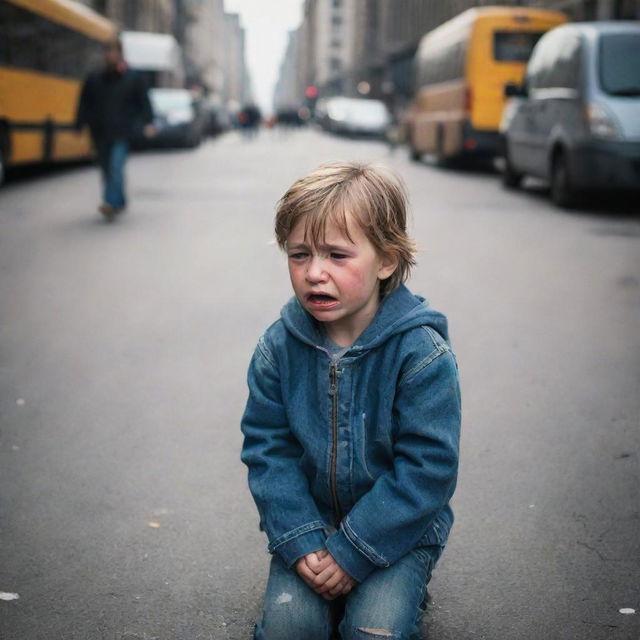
<point x="381" y="633"/>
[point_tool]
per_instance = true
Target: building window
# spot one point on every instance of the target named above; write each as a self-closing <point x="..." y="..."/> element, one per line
<point x="334" y="64"/>
<point x="337" y="4"/>
<point x="336" y="21"/>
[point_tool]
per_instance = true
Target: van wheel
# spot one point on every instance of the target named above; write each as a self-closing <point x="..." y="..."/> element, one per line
<point x="511" y="178"/>
<point x="562" y="193"/>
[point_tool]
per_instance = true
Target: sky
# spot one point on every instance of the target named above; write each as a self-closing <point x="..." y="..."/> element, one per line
<point x="266" y="26"/>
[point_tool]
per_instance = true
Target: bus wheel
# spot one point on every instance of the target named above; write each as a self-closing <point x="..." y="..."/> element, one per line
<point x="441" y="158"/>
<point x="562" y="193"/>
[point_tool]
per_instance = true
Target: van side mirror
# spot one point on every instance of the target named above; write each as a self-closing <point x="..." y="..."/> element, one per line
<point x="512" y="90"/>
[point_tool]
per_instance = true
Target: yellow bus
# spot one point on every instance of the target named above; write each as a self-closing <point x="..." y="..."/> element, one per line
<point x="461" y="68"/>
<point x="46" y="48"/>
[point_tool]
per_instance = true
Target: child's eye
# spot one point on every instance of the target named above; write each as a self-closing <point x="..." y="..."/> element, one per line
<point x="338" y="256"/>
<point x="298" y="256"/>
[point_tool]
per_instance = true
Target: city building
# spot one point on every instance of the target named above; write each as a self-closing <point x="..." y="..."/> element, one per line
<point x="366" y="47"/>
<point x="137" y="15"/>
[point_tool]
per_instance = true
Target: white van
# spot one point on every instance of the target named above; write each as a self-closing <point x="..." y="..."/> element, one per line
<point x="576" y="119"/>
<point x="158" y="56"/>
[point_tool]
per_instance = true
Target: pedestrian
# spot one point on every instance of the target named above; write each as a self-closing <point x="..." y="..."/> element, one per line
<point x="115" y="105"/>
<point x="352" y="424"/>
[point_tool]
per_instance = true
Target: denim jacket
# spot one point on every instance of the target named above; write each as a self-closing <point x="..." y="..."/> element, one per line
<point x="358" y="455"/>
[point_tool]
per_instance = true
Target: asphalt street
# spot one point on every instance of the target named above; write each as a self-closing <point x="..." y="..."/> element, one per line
<point x="124" y="510"/>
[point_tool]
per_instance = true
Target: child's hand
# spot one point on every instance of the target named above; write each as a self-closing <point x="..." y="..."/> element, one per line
<point x="307" y="566"/>
<point x="324" y="575"/>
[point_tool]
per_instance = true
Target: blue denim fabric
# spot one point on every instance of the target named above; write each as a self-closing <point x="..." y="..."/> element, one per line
<point x="361" y="460"/>
<point x="391" y="600"/>
<point x="112" y="156"/>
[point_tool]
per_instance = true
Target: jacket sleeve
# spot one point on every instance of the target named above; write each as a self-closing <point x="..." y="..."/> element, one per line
<point x="145" y="111"/>
<point x="83" y="106"/>
<point x="411" y="496"/>
<point x="288" y="513"/>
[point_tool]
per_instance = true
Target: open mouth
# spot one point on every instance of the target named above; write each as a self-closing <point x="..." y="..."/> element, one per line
<point x="321" y="300"/>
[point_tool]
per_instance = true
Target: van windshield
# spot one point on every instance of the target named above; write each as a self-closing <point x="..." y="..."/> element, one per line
<point x="514" y="46"/>
<point x="619" y="68"/>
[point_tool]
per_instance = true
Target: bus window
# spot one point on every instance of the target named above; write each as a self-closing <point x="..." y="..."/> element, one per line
<point x="514" y="46"/>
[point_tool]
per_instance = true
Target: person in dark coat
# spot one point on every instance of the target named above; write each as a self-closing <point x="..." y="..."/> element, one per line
<point x="115" y="105"/>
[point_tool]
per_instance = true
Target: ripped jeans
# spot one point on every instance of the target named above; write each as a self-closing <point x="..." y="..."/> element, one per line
<point x="388" y="605"/>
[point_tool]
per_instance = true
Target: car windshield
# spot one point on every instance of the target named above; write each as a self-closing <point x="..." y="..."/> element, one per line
<point x="367" y="111"/>
<point x="164" y="100"/>
<point x="619" y="64"/>
<point x="514" y="46"/>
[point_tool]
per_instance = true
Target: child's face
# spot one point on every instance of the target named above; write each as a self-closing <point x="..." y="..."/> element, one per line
<point x="338" y="283"/>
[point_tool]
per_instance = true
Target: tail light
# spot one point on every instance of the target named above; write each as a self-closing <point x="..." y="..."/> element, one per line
<point x="600" y="123"/>
<point x="468" y="99"/>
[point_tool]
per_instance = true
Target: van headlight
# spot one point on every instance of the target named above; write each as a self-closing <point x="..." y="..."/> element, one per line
<point x="600" y="123"/>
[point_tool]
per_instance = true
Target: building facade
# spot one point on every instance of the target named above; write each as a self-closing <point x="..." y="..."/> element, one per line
<point x="156" y="16"/>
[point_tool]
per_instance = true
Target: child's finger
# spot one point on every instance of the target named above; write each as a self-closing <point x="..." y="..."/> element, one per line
<point x="333" y="581"/>
<point x="324" y="575"/>
<point x="325" y="562"/>
<point x="305" y="573"/>
<point x="339" y="588"/>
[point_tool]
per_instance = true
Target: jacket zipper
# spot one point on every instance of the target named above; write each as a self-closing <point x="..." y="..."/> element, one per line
<point x="334" y="448"/>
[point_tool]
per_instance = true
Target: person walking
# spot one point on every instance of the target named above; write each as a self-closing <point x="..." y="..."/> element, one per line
<point x="115" y="105"/>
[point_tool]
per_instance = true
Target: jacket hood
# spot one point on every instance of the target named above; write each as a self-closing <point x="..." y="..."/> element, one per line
<point x="400" y="311"/>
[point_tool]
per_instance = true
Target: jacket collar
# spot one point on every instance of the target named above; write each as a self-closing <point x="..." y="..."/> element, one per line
<point x="400" y="311"/>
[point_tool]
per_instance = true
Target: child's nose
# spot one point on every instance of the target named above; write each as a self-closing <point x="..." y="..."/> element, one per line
<point x="316" y="271"/>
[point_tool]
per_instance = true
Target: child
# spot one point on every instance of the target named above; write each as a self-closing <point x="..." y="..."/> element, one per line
<point x="352" y="424"/>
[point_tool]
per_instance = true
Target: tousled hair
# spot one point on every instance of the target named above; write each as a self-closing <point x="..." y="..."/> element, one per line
<point x="372" y="195"/>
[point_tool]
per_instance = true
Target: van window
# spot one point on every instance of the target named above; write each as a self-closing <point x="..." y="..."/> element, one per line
<point x="619" y="68"/>
<point x="555" y="62"/>
<point x="565" y="72"/>
<point x="543" y="59"/>
<point x="514" y="46"/>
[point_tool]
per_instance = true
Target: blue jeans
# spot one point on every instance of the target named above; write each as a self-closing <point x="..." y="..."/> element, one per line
<point x="388" y="605"/>
<point x="112" y="156"/>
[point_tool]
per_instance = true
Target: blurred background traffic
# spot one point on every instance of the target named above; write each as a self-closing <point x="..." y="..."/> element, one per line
<point x="432" y="76"/>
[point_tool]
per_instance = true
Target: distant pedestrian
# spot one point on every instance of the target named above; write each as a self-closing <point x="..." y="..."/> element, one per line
<point x="250" y="119"/>
<point x="352" y="424"/>
<point x="115" y="105"/>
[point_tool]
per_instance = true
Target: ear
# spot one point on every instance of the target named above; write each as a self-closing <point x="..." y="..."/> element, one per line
<point x="388" y="264"/>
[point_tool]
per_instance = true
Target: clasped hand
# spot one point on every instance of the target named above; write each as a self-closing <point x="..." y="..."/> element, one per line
<point x="324" y="575"/>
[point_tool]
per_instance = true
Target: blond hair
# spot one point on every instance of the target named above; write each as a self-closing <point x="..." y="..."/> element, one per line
<point x="372" y="195"/>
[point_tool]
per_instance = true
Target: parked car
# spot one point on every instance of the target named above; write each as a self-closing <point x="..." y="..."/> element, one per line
<point x="217" y="119"/>
<point x="353" y="116"/>
<point x="576" y="119"/>
<point x="179" y="119"/>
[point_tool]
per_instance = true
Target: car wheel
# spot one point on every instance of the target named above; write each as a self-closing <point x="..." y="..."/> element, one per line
<point x="511" y="178"/>
<point x="562" y="193"/>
